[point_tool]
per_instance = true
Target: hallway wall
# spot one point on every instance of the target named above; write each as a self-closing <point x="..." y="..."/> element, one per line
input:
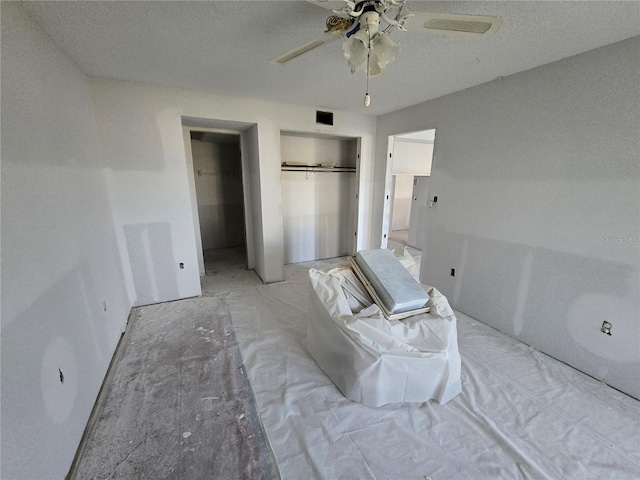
<point x="402" y="195"/>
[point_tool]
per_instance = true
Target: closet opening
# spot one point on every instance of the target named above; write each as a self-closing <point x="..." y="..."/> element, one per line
<point x="320" y="181"/>
<point x="218" y="179"/>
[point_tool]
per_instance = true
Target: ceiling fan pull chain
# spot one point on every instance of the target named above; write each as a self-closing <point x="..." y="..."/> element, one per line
<point x="367" y="97"/>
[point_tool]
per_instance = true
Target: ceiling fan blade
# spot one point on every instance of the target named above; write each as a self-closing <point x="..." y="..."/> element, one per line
<point x="453" y="24"/>
<point x="328" y="4"/>
<point x="307" y="47"/>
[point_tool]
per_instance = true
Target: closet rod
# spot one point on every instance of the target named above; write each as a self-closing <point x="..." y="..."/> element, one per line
<point x="318" y="169"/>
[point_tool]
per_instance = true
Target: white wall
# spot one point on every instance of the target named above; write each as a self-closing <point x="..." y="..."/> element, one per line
<point x="60" y="260"/>
<point x="316" y="215"/>
<point x="402" y="201"/>
<point x="140" y="131"/>
<point x="218" y="183"/>
<point x="252" y="194"/>
<point x="539" y="207"/>
<point x="411" y="157"/>
<point x="420" y="202"/>
<point x="296" y="148"/>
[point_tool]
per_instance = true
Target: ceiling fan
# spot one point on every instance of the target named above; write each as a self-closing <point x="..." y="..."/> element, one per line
<point x="367" y="23"/>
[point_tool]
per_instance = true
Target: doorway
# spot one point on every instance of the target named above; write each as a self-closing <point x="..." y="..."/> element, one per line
<point x="408" y="173"/>
<point x="218" y="179"/>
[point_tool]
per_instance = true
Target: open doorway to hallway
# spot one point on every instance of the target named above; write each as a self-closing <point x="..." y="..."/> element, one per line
<point x="411" y="155"/>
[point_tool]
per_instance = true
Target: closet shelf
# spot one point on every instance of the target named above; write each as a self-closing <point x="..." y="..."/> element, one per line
<point x="315" y="168"/>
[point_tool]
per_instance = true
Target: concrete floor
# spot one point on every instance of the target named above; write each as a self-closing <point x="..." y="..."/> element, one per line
<point x="177" y="403"/>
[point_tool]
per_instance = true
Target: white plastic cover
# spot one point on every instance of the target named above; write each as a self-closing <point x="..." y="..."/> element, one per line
<point x="375" y="361"/>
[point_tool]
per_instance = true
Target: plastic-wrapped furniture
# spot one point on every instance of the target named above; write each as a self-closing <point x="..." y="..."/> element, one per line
<point x="375" y="361"/>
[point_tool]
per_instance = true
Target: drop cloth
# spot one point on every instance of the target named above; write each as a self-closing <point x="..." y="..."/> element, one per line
<point x="521" y="414"/>
<point x="375" y="361"/>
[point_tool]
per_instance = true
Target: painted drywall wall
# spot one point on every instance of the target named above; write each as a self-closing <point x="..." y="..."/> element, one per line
<point x="402" y="201"/>
<point x="412" y="157"/>
<point x="539" y="207"/>
<point x="315" y="210"/>
<point x="419" y="204"/>
<point x="63" y="300"/>
<point x="252" y="194"/>
<point x="311" y="150"/>
<point x="218" y="183"/>
<point x="140" y="132"/>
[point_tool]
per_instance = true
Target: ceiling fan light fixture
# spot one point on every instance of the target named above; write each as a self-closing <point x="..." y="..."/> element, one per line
<point x="356" y="50"/>
<point x="384" y="51"/>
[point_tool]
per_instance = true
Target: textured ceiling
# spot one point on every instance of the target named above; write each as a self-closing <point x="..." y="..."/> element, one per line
<point x="224" y="47"/>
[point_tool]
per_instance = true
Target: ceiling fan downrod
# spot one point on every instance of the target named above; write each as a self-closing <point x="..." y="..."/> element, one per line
<point x="367" y="97"/>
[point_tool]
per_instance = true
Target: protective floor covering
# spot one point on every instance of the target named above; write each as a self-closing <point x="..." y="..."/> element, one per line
<point x="521" y="414"/>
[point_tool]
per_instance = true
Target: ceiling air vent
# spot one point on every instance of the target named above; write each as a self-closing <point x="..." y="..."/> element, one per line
<point x="325" y="118"/>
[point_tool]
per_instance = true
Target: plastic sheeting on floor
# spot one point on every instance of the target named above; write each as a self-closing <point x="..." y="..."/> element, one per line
<point x="521" y="414"/>
<point x="375" y="361"/>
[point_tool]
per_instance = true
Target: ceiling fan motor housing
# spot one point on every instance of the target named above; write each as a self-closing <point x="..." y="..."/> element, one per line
<point x="370" y="20"/>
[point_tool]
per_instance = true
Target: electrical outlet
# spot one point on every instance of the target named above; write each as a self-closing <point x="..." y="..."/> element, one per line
<point x="453" y="272"/>
<point x="104" y="305"/>
<point x="181" y="266"/>
<point x="606" y="328"/>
